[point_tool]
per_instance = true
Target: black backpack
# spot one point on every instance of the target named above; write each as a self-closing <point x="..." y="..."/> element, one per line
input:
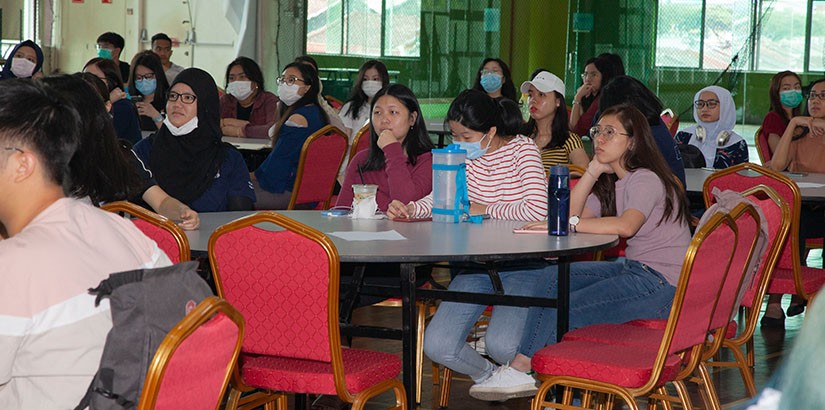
<point x="145" y="304"/>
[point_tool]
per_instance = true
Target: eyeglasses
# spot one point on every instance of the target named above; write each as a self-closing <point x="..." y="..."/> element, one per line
<point x="147" y="76"/>
<point x="186" y="98"/>
<point x="709" y="103"/>
<point x="13" y="149"/>
<point x="591" y="74"/>
<point x="607" y="131"/>
<point x="288" y="81"/>
<point x="485" y="72"/>
<point x="813" y="96"/>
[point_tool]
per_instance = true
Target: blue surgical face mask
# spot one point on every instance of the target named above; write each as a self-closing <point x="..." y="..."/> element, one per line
<point x="474" y="149"/>
<point x="146" y="86"/>
<point x="791" y="98"/>
<point x="491" y="82"/>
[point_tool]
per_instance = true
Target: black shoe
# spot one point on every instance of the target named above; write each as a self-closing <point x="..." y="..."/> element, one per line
<point x="796" y="309"/>
<point x="772" y="322"/>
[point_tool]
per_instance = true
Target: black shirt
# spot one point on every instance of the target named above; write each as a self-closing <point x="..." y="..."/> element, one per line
<point x="243" y="113"/>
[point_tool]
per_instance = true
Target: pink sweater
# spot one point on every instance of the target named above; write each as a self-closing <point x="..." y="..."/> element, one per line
<point x="398" y="180"/>
<point x="510" y="181"/>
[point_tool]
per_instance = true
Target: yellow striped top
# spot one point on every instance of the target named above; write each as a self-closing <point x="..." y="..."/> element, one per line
<point x="560" y="155"/>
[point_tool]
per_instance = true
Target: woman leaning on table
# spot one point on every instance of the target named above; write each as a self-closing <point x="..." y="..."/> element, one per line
<point x="801" y="149"/>
<point x="247" y="109"/>
<point x="785" y="93"/>
<point x="505" y="179"/>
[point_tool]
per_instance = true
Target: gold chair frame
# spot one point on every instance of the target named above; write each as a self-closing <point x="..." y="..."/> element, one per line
<point x="158" y="220"/>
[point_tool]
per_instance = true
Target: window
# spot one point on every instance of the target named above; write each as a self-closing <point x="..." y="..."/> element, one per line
<point x="364" y="27"/>
<point x="707" y="34"/>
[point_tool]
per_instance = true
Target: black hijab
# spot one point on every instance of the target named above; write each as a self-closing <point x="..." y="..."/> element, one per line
<point x="185" y="166"/>
<point x="6" y="73"/>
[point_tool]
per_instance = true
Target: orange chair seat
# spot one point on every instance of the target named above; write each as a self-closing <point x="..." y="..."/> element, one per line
<point x="782" y="282"/>
<point x="363" y="369"/>
<point x="626" y="366"/>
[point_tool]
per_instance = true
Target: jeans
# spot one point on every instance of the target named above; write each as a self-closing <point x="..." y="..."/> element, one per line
<point x="600" y="292"/>
<point x="445" y="340"/>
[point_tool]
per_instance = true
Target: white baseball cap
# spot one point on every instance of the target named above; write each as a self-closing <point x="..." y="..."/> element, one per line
<point x="545" y="82"/>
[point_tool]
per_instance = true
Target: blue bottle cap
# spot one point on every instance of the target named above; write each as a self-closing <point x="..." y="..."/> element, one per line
<point x="450" y="149"/>
<point x="559" y="170"/>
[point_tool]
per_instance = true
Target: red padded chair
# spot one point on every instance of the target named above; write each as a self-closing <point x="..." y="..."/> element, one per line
<point x="194" y="362"/>
<point x="334" y="102"/>
<point x="629" y="366"/>
<point x="762" y="146"/>
<point x="167" y="234"/>
<point x="321" y="158"/>
<point x="789" y="277"/>
<point x="360" y="142"/>
<point x="285" y="283"/>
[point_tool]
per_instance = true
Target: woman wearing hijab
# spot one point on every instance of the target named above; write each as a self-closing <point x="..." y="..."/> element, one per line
<point x="24" y="61"/>
<point x="186" y="155"/>
<point x="715" y="116"/>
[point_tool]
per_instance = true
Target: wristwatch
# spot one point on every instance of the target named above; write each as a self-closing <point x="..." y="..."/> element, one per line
<point x="574" y="220"/>
<point x="159" y="118"/>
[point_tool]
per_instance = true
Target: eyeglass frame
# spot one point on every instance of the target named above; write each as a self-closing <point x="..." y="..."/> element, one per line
<point x="280" y="80"/>
<point x="182" y="97"/>
<point x="147" y="76"/>
<point x="814" y="96"/>
<point x="591" y="74"/>
<point x="711" y="104"/>
<point x="596" y="130"/>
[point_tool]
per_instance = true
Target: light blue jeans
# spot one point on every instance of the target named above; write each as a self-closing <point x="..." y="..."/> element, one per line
<point x="445" y="340"/>
<point x="600" y="292"/>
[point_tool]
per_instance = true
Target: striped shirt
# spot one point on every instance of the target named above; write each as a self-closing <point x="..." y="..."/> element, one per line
<point x="510" y="181"/>
<point x="51" y="332"/>
<point x="561" y="155"/>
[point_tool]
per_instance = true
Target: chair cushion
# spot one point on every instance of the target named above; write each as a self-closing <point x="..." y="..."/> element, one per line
<point x="362" y="368"/>
<point x="626" y="366"/>
<point x="624" y="334"/>
<point x="782" y="280"/>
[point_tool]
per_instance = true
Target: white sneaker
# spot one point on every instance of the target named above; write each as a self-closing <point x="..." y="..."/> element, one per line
<point x="505" y="383"/>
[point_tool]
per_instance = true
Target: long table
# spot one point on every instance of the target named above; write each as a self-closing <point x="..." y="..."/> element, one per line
<point x="489" y="242"/>
<point x="695" y="179"/>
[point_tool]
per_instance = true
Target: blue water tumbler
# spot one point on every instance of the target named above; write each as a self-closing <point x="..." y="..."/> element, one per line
<point x="558" y="201"/>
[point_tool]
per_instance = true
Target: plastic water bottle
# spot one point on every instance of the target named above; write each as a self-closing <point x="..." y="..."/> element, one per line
<point x="524" y="104"/>
<point x="558" y="201"/>
<point x="448" y="174"/>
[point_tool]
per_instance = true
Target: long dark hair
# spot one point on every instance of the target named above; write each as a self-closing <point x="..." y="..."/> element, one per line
<point x="310" y="77"/>
<point x="608" y="69"/>
<point x="559" y="127"/>
<point x="508" y="89"/>
<point x="776" y="101"/>
<point x="109" y="69"/>
<point x="357" y="96"/>
<point x="417" y="141"/>
<point x="250" y="68"/>
<point x="475" y="110"/>
<point x="99" y="168"/>
<point x="642" y="152"/>
<point x="151" y="61"/>
<point x="628" y="90"/>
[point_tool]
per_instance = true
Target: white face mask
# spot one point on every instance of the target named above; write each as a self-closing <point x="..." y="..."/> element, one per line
<point x="370" y="88"/>
<point x="289" y="93"/>
<point x="22" y="68"/>
<point x="240" y="89"/>
<point x="184" y="129"/>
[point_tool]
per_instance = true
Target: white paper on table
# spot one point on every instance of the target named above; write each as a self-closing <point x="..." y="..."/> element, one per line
<point x="803" y="185"/>
<point x="390" y="235"/>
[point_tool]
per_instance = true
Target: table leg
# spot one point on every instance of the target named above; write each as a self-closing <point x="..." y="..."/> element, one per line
<point x="563" y="299"/>
<point x="408" y="331"/>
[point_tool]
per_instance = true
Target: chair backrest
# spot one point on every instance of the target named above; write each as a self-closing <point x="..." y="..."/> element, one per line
<point x="360" y="142"/>
<point x="167" y="234"/>
<point x="195" y="360"/>
<point x="321" y="158"/>
<point x="744" y="176"/>
<point x="762" y="146"/>
<point x="670" y="120"/>
<point x="334" y="102"/>
<point x="284" y="282"/>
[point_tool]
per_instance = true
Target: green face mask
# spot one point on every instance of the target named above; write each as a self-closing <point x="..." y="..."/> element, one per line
<point x="104" y="53"/>
<point x="791" y="98"/>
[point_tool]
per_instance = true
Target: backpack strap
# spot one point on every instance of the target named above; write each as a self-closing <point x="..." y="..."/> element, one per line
<point x="115" y="280"/>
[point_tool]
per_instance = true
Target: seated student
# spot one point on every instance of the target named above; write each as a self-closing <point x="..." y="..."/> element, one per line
<point x="110" y="45"/>
<point x="493" y="77"/>
<point x="332" y="113"/>
<point x="247" y="109"/>
<point x="162" y="46"/>
<point x="399" y="159"/>
<point x="51" y="332"/>
<point x="713" y="134"/>
<point x="505" y="179"/>
<point x="548" y="125"/>
<point x="785" y="93"/>
<point x="124" y="113"/>
<point x="102" y="169"/>
<point x="186" y="155"/>
<point x="300" y="116"/>
<point x="148" y="88"/>
<point x="628" y="190"/>
<point x="25" y="60"/>
<point x="628" y="90"/>
<point x="598" y="72"/>
<point x="801" y="149"/>
<point x="372" y="76"/>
